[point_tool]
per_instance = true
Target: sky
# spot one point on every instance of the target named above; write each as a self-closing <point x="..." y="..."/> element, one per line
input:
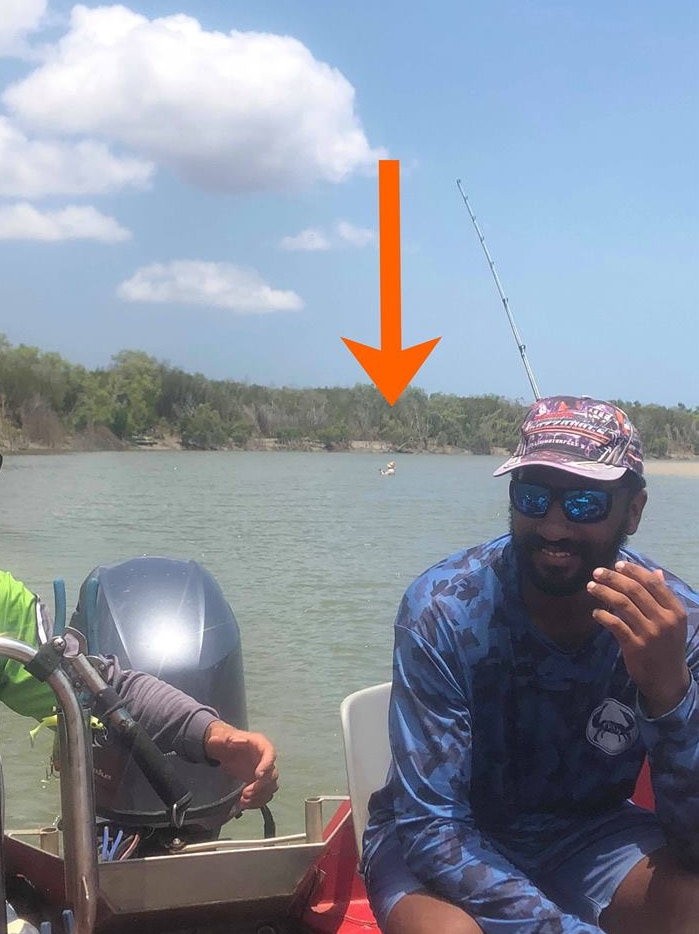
<point x="199" y="180"/>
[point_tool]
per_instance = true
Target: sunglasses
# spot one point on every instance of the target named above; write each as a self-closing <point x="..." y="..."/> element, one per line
<point x="534" y="501"/>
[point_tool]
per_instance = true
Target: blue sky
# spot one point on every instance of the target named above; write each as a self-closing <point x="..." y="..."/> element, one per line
<point x="199" y="180"/>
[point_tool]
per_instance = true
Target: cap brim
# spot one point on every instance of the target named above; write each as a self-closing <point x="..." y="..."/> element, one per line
<point x="588" y="469"/>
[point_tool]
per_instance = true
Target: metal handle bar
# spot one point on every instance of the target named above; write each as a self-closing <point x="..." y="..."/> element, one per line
<point x="77" y="801"/>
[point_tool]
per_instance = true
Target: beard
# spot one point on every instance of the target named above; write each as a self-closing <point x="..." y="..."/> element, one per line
<point x="556" y="581"/>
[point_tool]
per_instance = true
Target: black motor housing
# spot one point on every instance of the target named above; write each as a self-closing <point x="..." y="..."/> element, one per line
<point x="169" y="618"/>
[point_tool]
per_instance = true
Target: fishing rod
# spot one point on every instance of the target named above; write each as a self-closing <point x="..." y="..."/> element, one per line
<point x="520" y="344"/>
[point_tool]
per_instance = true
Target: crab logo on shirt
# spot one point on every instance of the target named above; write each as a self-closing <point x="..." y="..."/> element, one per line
<point x="612" y="727"/>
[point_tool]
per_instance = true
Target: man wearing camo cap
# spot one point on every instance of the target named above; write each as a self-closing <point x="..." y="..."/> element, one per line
<point x="532" y="677"/>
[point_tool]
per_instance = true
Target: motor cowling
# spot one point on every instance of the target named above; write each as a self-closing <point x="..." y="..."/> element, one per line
<point x="169" y="618"/>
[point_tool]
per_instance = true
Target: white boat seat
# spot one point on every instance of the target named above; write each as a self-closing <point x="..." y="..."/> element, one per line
<point x="364" y="717"/>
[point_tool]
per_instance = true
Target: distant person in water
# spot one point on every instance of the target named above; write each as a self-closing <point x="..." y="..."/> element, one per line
<point x="174" y="720"/>
<point x="532" y="676"/>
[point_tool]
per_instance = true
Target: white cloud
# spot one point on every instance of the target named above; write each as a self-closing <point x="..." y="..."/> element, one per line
<point x="314" y="239"/>
<point x="309" y="240"/>
<point x="241" y="111"/>
<point x="355" y="236"/>
<point x="220" y="285"/>
<point x="18" y="18"/>
<point x="25" y="222"/>
<point x="35" y="168"/>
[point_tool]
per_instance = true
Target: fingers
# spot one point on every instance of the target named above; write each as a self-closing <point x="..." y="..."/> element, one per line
<point x="261" y="756"/>
<point x="634" y="594"/>
<point x="623" y="634"/>
<point x="652" y="582"/>
<point x="261" y="791"/>
<point x="247" y="756"/>
<point x="650" y="625"/>
<point x="617" y="612"/>
<point x="266" y="766"/>
<point x="266" y="753"/>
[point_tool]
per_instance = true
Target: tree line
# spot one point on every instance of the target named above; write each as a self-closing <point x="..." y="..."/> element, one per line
<point x="48" y="402"/>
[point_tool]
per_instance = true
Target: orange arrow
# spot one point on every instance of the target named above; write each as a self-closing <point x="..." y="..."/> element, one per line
<point x="391" y="368"/>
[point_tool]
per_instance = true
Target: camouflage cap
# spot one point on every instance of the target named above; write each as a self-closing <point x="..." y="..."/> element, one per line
<point x="583" y="436"/>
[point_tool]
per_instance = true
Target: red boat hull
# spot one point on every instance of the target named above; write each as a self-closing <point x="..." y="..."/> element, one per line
<point x="334" y="899"/>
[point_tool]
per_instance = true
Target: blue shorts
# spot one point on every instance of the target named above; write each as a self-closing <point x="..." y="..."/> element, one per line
<point x="580" y="872"/>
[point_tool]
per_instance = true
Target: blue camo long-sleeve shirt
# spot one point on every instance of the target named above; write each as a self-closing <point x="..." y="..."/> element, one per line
<point x="496" y="730"/>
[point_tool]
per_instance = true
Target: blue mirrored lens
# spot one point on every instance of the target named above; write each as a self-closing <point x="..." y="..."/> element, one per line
<point x="585" y="505"/>
<point x="529" y="499"/>
<point x="534" y="501"/>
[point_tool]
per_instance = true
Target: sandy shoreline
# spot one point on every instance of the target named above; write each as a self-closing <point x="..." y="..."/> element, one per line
<point x="675" y="468"/>
<point x="667" y="467"/>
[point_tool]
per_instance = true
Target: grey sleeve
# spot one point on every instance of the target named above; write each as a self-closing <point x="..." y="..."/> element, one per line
<point x="171" y="718"/>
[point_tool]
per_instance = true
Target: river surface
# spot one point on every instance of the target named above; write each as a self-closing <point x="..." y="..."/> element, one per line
<point x="313" y="552"/>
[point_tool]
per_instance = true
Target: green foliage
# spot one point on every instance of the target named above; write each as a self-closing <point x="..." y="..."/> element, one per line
<point x="43" y="398"/>
<point x="135" y="386"/>
<point x="240" y="433"/>
<point x="203" y="429"/>
<point x="93" y="401"/>
<point x="335" y="437"/>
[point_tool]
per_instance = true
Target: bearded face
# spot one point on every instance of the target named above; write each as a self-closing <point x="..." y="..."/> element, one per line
<point x="563" y="567"/>
<point x="556" y="555"/>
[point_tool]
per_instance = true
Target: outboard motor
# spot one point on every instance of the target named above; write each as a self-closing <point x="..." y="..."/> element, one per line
<point x="169" y="618"/>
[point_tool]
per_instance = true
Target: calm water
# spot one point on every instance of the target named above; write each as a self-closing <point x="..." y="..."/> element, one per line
<point x="313" y="552"/>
